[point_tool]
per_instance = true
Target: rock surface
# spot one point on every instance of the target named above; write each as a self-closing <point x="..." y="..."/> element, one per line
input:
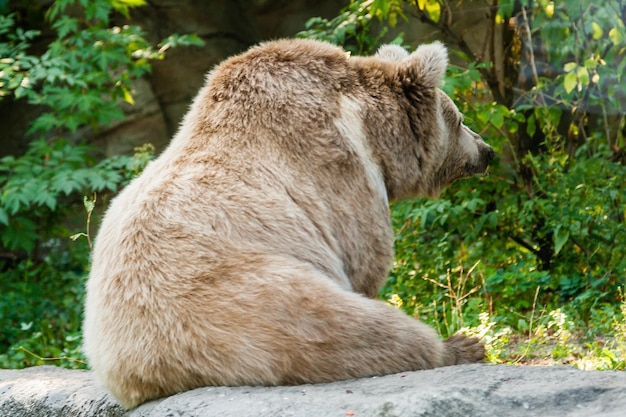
<point x="469" y="390"/>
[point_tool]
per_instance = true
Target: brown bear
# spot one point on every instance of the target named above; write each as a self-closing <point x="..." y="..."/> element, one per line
<point x="250" y="252"/>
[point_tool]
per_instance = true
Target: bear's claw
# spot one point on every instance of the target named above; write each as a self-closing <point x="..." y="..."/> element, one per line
<point x="462" y="349"/>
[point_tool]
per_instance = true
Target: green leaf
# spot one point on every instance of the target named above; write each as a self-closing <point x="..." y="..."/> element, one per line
<point x="98" y="11"/>
<point x="22" y="235"/>
<point x="570" y="82"/>
<point x="570" y="66"/>
<point x="117" y="4"/>
<point x="560" y="238"/>
<point x="89" y="204"/>
<point x="505" y="10"/>
<point x="583" y="76"/>
<point x="497" y="119"/>
<point x="434" y="10"/>
<point x="65" y="25"/>
<point x="531" y="127"/>
<point x="47" y="199"/>
<point x="77" y="235"/>
<point x="4" y="217"/>
<point x="128" y="97"/>
<point x="616" y="36"/>
<point x="11" y="200"/>
<point x="590" y="63"/>
<point x="597" y="30"/>
<point x="62" y="182"/>
<point x="380" y="8"/>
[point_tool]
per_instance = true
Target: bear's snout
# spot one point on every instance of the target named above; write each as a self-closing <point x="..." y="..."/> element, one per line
<point x="490" y="153"/>
<point x="485" y="155"/>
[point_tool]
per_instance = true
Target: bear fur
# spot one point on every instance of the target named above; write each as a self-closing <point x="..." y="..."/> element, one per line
<point x="250" y="252"/>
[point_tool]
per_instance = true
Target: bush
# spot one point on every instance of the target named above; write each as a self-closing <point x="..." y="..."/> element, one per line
<point x="79" y="82"/>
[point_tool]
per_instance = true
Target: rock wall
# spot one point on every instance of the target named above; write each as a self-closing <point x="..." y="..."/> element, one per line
<point x="456" y="391"/>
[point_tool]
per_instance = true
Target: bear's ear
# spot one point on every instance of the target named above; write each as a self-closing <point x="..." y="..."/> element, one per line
<point x="427" y="65"/>
<point x="392" y="53"/>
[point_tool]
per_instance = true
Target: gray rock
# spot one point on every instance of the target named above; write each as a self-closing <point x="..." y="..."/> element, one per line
<point x="468" y="390"/>
<point x="51" y="391"/>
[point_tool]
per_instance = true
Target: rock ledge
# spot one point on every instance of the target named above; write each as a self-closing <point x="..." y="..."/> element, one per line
<point x="468" y="390"/>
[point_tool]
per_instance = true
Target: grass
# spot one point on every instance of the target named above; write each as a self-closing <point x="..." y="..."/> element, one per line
<point x="541" y="336"/>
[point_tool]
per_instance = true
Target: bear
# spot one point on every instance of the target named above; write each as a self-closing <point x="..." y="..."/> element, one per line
<point x="252" y="249"/>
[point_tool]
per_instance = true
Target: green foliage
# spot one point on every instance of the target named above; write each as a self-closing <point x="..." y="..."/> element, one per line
<point x="354" y="27"/>
<point x="586" y="43"/>
<point x="37" y="184"/>
<point x="88" y="65"/>
<point x="41" y="298"/>
<point x="79" y="83"/>
<point x="40" y="309"/>
<point x="80" y="80"/>
<point x="13" y="57"/>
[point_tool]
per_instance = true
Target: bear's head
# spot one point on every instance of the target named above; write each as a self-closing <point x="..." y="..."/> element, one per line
<point x="428" y="146"/>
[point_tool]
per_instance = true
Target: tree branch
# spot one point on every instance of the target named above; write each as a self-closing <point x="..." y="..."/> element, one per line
<point x="529" y="39"/>
<point x="524" y="244"/>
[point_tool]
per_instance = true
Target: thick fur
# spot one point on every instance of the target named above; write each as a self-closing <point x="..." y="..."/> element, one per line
<point x="250" y="252"/>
